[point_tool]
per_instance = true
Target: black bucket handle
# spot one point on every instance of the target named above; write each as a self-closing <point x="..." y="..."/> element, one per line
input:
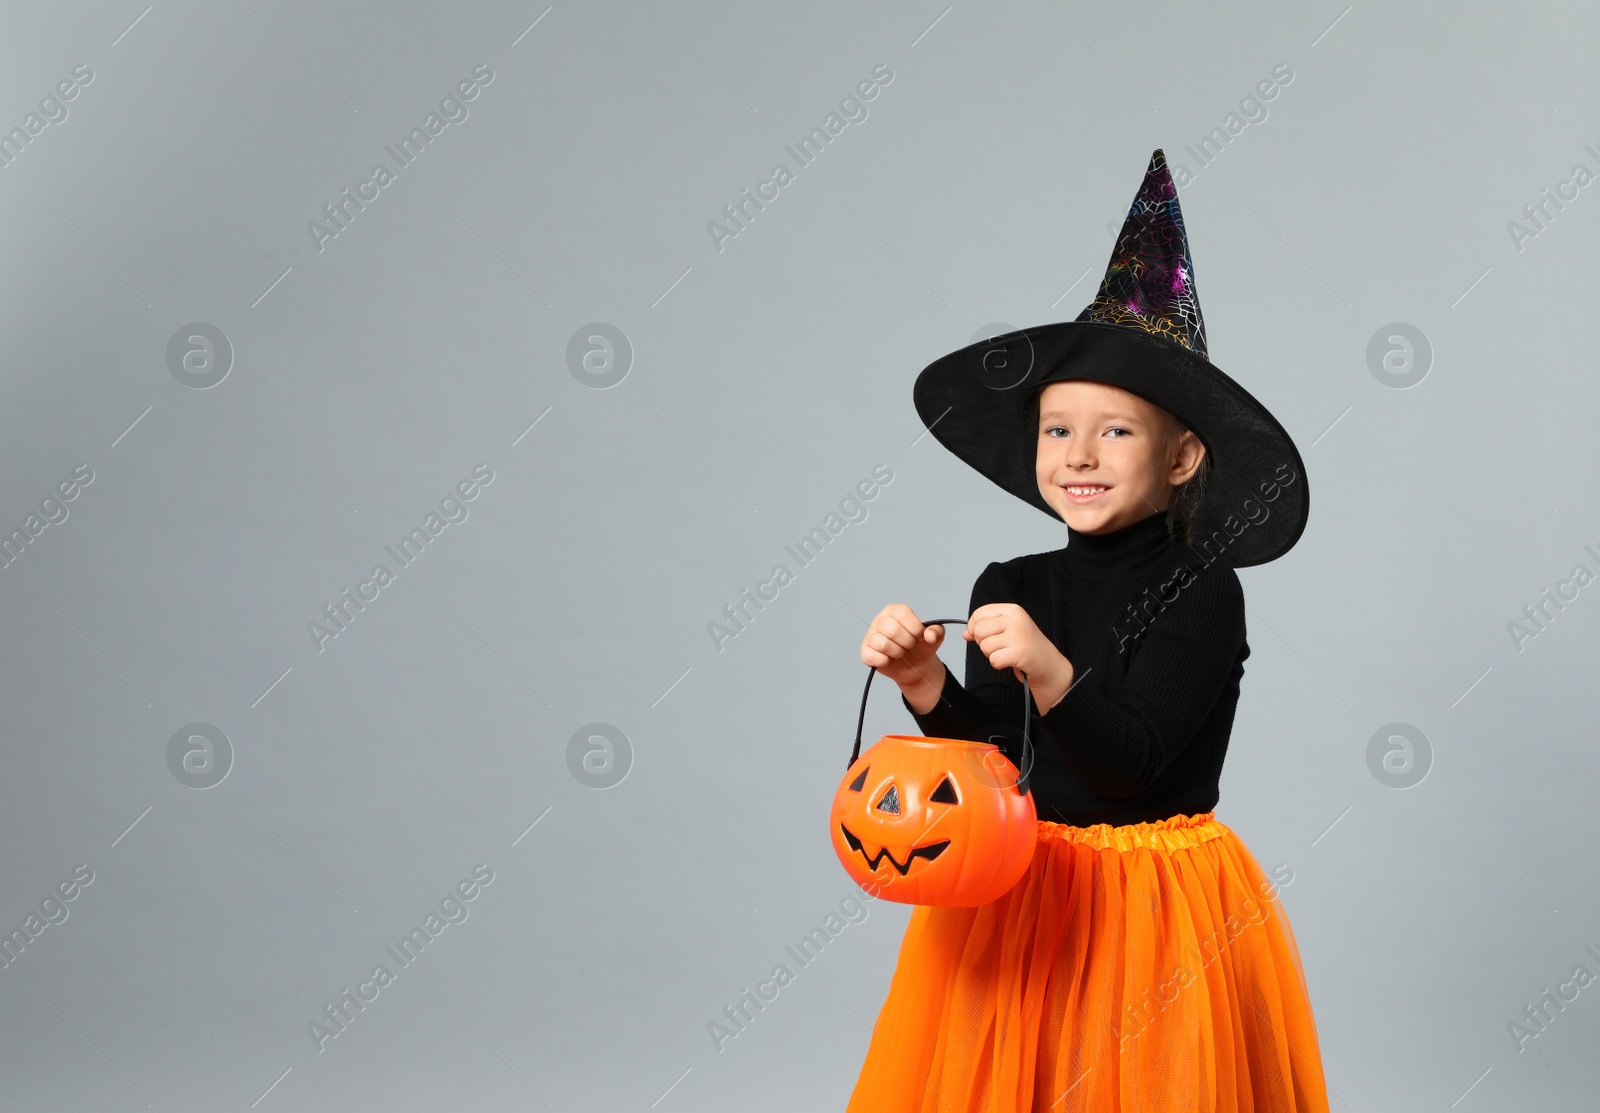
<point x="1027" y="714"/>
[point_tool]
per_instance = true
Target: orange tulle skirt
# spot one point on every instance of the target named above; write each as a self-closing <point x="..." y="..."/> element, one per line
<point x="1144" y="968"/>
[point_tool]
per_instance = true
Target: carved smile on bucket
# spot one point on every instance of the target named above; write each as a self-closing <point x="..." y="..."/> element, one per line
<point x="930" y="852"/>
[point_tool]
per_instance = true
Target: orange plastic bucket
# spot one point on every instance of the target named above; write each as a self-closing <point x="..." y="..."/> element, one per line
<point x="936" y="821"/>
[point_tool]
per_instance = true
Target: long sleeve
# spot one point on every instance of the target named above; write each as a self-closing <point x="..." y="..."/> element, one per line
<point x="1119" y="738"/>
<point x="1114" y="732"/>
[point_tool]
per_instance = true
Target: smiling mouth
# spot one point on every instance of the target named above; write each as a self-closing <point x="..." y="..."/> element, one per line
<point x="930" y="852"/>
<point x="1084" y="492"/>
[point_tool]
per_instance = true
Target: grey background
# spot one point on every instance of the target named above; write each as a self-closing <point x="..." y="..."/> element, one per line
<point x="768" y="378"/>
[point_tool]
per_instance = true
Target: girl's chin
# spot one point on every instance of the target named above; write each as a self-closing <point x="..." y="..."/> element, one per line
<point x="1090" y="517"/>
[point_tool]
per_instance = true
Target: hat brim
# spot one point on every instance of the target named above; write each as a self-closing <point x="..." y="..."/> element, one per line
<point x="975" y="402"/>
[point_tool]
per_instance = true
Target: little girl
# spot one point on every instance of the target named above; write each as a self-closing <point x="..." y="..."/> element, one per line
<point x="1144" y="962"/>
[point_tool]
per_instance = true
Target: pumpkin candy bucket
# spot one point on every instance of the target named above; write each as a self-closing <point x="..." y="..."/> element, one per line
<point x="937" y="821"/>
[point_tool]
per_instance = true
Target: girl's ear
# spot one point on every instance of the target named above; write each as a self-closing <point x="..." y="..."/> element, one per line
<point x="1187" y="454"/>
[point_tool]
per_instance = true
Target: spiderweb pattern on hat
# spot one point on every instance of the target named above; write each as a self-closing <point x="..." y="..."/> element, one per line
<point x="1149" y="283"/>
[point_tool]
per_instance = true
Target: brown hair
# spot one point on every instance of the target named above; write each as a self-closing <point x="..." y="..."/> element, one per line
<point x="1186" y="497"/>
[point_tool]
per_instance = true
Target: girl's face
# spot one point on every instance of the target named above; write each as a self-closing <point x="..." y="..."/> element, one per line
<point x="1108" y="458"/>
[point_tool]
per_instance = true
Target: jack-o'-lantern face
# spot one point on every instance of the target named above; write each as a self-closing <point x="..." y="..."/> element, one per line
<point x="889" y="801"/>
<point x="933" y="821"/>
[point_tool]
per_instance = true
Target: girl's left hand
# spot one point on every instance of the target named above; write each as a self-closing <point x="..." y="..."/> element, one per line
<point x="1009" y="638"/>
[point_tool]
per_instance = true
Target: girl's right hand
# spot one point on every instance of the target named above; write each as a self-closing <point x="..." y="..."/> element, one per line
<point x="901" y="648"/>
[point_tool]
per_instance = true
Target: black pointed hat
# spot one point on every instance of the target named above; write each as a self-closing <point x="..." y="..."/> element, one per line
<point x="1143" y="333"/>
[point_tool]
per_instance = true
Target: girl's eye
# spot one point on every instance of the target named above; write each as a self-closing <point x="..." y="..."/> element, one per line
<point x="1053" y="430"/>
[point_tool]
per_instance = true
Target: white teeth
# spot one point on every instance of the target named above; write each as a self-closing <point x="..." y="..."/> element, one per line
<point x="1087" y="490"/>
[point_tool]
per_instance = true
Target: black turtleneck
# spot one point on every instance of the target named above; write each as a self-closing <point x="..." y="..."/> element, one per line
<point x="1156" y="637"/>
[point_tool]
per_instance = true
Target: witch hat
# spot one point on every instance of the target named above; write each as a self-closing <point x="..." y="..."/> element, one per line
<point x="1143" y="333"/>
